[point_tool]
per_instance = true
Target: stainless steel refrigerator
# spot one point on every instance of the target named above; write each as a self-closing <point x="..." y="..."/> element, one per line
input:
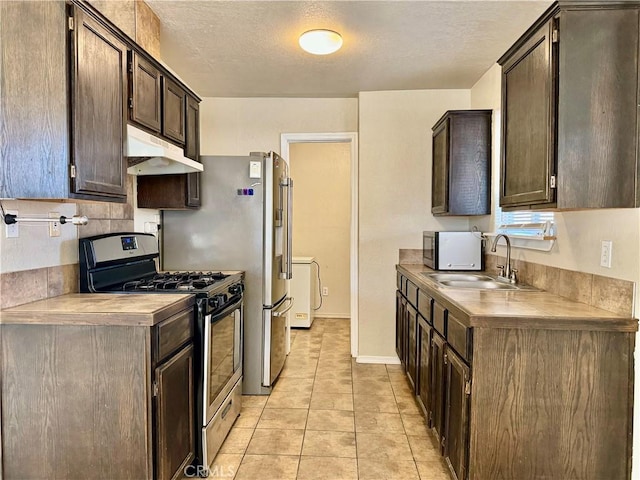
<point x="244" y="223"/>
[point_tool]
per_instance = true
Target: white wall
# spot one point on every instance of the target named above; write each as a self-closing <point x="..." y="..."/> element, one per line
<point x="579" y="233"/>
<point x="395" y="198"/>
<point x="34" y="248"/>
<point x="237" y="126"/>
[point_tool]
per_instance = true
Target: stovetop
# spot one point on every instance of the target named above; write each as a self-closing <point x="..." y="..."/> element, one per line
<point x="184" y="282"/>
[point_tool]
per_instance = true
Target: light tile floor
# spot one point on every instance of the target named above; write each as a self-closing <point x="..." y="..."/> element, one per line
<point x="330" y="418"/>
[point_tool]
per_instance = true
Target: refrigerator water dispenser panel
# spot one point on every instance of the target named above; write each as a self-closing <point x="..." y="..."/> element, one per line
<point x="255" y="169"/>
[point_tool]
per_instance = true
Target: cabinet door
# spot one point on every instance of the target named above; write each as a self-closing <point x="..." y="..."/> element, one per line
<point x="458" y="388"/>
<point x="528" y="126"/>
<point x="400" y="318"/>
<point x="424" y="367"/>
<point x="412" y="344"/>
<point x="173" y="111"/>
<point x="440" y="171"/>
<point x="144" y="97"/>
<point x="192" y="150"/>
<point x="438" y="381"/>
<point x="174" y="417"/>
<point x="99" y="76"/>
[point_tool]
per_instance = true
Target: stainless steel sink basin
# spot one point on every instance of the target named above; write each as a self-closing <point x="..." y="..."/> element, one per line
<point x="476" y="281"/>
<point x="479" y="284"/>
<point x="463" y="277"/>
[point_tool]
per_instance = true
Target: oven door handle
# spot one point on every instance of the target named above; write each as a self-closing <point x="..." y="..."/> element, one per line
<point x="282" y="313"/>
<point x="220" y="315"/>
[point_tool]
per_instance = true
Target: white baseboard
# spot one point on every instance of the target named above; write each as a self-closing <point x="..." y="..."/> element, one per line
<point x="388" y="360"/>
<point x="346" y="316"/>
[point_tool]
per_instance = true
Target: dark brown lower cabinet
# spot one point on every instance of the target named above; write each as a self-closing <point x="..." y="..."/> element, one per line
<point x="456" y="414"/>
<point x="174" y="440"/>
<point x="520" y="401"/>
<point x="412" y="344"/>
<point x="98" y="401"/>
<point x="424" y="367"/>
<point x="438" y="385"/>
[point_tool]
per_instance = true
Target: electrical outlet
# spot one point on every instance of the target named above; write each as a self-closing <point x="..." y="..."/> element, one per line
<point x="54" y="227"/>
<point x="325" y="291"/>
<point x="11" y="231"/>
<point x="605" y="253"/>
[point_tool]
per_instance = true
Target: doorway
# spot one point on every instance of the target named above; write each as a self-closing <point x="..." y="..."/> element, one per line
<point x="339" y="172"/>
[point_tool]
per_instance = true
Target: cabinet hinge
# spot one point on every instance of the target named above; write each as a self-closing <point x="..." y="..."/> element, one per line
<point x="467" y="387"/>
<point x="70" y="23"/>
<point x="73" y="171"/>
<point x="554" y="36"/>
<point x="155" y="389"/>
<point x="552" y="181"/>
<point x="131" y="103"/>
<point x="445" y="358"/>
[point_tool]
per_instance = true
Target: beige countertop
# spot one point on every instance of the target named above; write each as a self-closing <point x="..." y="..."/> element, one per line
<point x="99" y="309"/>
<point x="528" y="308"/>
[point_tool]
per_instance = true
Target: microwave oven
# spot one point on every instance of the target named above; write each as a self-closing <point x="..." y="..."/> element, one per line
<point x="453" y="250"/>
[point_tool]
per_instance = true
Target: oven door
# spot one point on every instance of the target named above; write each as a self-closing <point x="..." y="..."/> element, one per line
<point x="222" y="356"/>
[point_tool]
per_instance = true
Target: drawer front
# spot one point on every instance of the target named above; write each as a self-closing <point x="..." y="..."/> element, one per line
<point x="440" y="319"/>
<point x="214" y="434"/>
<point x="459" y="337"/>
<point x="412" y="293"/>
<point x="425" y="306"/>
<point x="172" y="333"/>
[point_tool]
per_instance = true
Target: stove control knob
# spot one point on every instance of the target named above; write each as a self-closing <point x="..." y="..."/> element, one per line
<point x="218" y="300"/>
<point x="235" y="289"/>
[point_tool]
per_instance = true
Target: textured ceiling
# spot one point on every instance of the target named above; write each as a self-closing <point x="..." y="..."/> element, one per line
<point x="249" y="48"/>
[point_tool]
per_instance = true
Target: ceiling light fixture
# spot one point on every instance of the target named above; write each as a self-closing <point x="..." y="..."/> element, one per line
<point x="320" y="42"/>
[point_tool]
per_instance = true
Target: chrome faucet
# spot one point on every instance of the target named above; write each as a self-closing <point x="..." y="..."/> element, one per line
<point x="506" y="272"/>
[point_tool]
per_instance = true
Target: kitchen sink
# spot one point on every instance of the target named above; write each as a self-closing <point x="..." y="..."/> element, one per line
<point x="479" y="284"/>
<point x="476" y="281"/>
<point x="462" y="277"/>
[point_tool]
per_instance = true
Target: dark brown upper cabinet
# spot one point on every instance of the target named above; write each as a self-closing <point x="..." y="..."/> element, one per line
<point x="63" y="103"/>
<point x="461" y="174"/>
<point x="173" y="111"/>
<point x="145" y="93"/>
<point x="181" y="191"/>
<point x="570" y="124"/>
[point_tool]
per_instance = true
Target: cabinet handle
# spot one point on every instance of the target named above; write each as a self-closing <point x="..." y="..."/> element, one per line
<point x="226" y="409"/>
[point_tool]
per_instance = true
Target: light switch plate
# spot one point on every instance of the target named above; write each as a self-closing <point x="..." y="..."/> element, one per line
<point x="605" y="253"/>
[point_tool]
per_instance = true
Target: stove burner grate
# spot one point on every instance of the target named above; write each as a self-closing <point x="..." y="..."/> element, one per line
<point x="186" y="281"/>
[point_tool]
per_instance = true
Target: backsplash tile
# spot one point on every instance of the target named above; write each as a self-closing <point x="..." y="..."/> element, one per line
<point x="410" y="256"/>
<point x="21" y="287"/>
<point x="612" y="294"/>
<point x="62" y="279"/>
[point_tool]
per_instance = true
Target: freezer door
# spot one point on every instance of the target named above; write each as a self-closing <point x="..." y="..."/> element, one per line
<point x="275" y="338"/>
<point x="277" y="233"/>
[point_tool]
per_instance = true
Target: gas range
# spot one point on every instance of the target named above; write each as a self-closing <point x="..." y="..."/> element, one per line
<point x="126" y="263"/>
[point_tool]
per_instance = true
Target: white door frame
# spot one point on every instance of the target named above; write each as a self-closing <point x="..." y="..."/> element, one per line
<point x="351" y="138"/>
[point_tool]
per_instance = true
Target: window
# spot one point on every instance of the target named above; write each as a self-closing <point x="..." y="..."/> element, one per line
<point x="527" y="223"/>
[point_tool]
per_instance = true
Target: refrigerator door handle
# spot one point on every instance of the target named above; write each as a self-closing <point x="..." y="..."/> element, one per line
<point x="287" y="264"/>
<point x="282" y="313"/>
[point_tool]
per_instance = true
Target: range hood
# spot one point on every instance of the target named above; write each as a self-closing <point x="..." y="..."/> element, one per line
<point x="150" y="155"/>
